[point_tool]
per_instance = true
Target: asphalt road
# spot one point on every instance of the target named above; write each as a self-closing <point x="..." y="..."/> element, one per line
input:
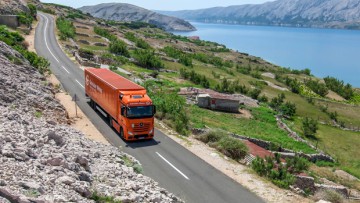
<point x="171" y="165"/>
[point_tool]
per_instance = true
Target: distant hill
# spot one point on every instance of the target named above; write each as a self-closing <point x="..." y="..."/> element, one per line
<point x="130" y="13"/>
<point x="300" y="13"/>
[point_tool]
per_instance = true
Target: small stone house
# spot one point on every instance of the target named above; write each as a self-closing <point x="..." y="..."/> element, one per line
<point x="217" y="102"/>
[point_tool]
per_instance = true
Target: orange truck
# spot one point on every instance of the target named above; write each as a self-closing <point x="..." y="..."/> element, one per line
<point x="126" y="105"/>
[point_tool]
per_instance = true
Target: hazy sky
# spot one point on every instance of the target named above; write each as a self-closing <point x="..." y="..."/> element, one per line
<point x="160" y="4"/>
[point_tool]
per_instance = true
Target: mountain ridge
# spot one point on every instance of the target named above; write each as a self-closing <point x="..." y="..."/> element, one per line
<point x="130" y="13"/>
<point x="298" y="13"/>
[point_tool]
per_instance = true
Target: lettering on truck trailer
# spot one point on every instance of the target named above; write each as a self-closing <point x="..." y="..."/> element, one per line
<point x="93" y="85"/>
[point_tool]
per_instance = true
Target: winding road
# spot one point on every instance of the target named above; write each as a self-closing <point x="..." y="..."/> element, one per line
<point x="164" y="160"/>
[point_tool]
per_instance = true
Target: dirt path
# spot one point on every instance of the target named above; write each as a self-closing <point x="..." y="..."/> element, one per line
<point x="30" y="38"/>
<point x="79" y="122"/>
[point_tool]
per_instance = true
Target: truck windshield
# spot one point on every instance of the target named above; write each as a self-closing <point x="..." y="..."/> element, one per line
<point x="140" y="112"/>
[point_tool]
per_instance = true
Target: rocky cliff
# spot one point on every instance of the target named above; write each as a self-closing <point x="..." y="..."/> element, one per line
<point x="300" y="13"/>
<point x="44" y="160"/>
<point x="10" y="7"/>
<point x="131" y="13"/>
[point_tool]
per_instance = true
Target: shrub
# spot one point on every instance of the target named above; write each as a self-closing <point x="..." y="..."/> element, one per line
<point x="276" y="102"/>
<point x="297" y="164"/>
<point x="184" y="58"/>
<point x="66" y="28"/>
<point x="333" y="115"/>
<point x="139" y="42"/>
<point x="288" y="109"/>
<point x="272" y="168"/>
<point x="212" y="136"/>
<point x="103" y="198"/>
<point x="309" y="127"/>
<point x="195" y="77"/>
<point x="232" y="147"/>
<point x="119" y="47"/>
<point x="25" y="18"/>
<point x="148" y="59"/>
<point x="254" y="93"/>
<point x="105" y="33"/>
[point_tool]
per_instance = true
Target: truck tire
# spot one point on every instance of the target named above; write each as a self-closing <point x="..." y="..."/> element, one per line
<point x="110" y="121"/>
<point x="93" y="104"/>
<point x="121" y="132"/>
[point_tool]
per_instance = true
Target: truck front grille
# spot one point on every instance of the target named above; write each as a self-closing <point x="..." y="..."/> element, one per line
<point x="138" y="127"/>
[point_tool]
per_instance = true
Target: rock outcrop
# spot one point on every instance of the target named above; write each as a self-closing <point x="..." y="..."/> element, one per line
<point x="131" y="13"/>
<point x="10" y="7"/>
<point x="44" y="160"/>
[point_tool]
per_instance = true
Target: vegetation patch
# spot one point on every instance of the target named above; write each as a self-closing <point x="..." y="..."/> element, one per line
<point x="229" y="146"/>
<point x="280" y="174"/>
<point x="66" y="28"/>
<point x="15" y="40"/>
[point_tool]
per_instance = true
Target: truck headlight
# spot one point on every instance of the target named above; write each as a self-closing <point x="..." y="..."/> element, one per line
<point x="151" y="131"/>
<point x="130" y="133"/>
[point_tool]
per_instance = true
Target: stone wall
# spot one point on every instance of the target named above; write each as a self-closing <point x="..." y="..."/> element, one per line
<point x="339" y="189"/>
<point x="305" y="183"/>
<point x="10" y="20"/>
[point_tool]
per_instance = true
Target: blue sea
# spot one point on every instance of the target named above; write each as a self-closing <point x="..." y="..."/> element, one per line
<point x="326" y="52"/>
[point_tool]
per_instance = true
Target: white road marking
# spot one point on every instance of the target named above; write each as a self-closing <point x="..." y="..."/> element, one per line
<point x="80" y="84"/>
<point x="172" y="166"/>
<point x="65" y="69"/>
<point x="46" y="44"/>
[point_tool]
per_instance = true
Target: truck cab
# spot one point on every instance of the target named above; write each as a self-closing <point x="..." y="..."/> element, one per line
<point x="136" y="116"/>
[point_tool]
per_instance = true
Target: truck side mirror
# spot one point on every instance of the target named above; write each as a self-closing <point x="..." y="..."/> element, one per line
<point x="154" y="109"/>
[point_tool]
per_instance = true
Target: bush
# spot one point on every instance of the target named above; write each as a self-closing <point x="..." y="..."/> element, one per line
<point x="276" y="102"/>
<point x="139" y="42"/>
<point x="66" y="28"/>
<point x="148" y="59"/>
<point x="212" y="136"/>
<point x="195" y="77"/>
<point x="288" y="109"/>
<point x="103" y="198"/>
<point x="309" y="127"/>
<point x="232" y="147"/>
<point x="119" y="47"/>
<point x="297" y="164"/>
<point x="184" y="58"/>
<point x="273" y="169"/>
<point x="105" y="33"/>
<point x="254" y="93"/>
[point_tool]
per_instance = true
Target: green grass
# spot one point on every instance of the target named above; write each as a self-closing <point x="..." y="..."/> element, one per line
<point x="262" y="126"/>
<point x="343" y="146"/>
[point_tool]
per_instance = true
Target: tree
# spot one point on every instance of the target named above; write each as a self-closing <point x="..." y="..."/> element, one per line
<point x="310" y="126"/>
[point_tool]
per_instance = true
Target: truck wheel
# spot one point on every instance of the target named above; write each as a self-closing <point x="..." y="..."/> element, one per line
<point x="121" y="132"/>
<point x="93" y="104"/>
<point x="110" y="122"/>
